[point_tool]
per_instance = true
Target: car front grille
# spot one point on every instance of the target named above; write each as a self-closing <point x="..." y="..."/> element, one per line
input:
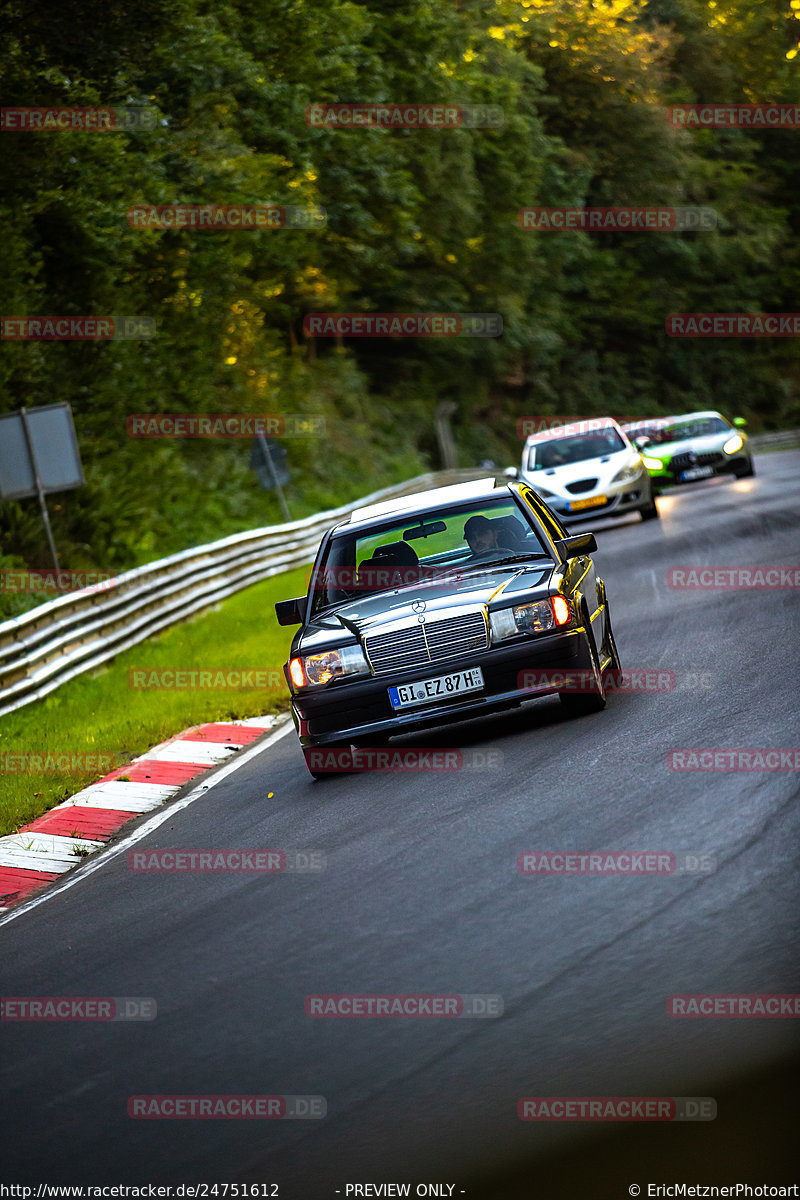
<point x="426" y="642"/>
<point x="683" y="462"/>
<point x="581" y="485"/>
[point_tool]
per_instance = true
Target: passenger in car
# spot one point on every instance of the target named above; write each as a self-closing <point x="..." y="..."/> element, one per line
<point x="392" y="565"/>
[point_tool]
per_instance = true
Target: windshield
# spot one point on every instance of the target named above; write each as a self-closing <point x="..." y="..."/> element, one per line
<point x="649" y="429"/>
<point x="559" y="452"/>
<point x="407" y="550"/>
<point x="678" y="431"/>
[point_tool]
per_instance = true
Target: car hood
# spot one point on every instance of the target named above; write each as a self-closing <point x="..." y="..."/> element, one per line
<point x="701" y="445"/>
<point x="555" y="479"/>
<point x="470" y="588"/>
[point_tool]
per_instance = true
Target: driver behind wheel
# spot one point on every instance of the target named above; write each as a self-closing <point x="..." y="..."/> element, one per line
<point x="480" y="536"/>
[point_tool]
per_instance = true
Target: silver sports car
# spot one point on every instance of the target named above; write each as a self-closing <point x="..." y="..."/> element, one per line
<point x="694" y="446"/>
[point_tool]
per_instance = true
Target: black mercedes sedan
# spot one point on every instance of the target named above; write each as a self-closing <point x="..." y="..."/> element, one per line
<point x="440" y="607"/>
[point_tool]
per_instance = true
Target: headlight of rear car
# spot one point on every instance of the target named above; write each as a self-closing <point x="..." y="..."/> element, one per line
<point x="733" y="444"/>
<point x="626" y="473"/>
<point x="543" y="492"/>
<point x="653" y="464"/>
<point x="331" y="664"/>
<point x="540" y="617"/>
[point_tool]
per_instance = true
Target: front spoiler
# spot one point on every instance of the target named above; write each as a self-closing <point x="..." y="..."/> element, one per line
<point x="669" y="480"/>
<point x="619" y="506"/>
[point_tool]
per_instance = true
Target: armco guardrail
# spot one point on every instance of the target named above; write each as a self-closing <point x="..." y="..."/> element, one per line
<point x="65" y="637"/>
<point x="774" y="441"/>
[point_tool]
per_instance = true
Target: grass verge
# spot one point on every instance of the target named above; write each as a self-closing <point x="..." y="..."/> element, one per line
<point x="104" y="719"/>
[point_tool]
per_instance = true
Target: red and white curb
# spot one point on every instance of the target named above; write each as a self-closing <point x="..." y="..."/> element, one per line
<point x="42" y="851"/>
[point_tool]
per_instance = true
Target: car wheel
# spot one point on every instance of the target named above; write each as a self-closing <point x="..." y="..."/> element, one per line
<point x="591" y="697"/>
<point x="650" y="511"/>
<point x="611" y="672"/>
<point x="747" y="471"/>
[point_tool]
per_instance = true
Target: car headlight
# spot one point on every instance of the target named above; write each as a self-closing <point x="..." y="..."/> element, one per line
<point x="539" y="617"/>
<point x="653" y="464"/>
<point x="543" y="492"/>
<point x="627" y="473"/>
<point x="733" y="444"/>
<point x="330" y="664"/>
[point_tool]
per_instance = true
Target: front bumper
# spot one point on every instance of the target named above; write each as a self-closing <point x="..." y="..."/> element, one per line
<point x="350" y="711"/>
<point x="720" y="464"/>
<point x="629" y="497"/>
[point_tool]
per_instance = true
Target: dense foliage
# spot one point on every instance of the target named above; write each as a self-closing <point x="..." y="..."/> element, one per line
<point x="418" y="220"/>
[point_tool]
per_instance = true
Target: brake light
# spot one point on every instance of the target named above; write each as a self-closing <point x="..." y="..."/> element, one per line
<point x="561" y="610"/>
<point x="296" y="672"/>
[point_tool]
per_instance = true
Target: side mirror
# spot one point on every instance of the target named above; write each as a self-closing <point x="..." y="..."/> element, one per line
<point x="740" y="422"/>
<point x="641" y="442"/>
<point x="573" y="547"/>
<point x="511" y="473"/>
<point x="290" y="612"/>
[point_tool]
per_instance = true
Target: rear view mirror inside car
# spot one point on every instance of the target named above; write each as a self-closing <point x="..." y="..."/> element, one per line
<point x="424" y="531"/>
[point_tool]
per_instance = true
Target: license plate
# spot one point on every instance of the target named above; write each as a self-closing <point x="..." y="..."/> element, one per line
<point x="696" y="473"/>
<point x="590" y="502"/>
<point x="406" y="695"/>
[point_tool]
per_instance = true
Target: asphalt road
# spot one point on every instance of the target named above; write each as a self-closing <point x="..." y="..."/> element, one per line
<point x="421" y="894"/>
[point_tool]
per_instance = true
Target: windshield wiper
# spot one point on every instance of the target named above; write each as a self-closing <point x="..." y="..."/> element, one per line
<point x="508" y="558"/>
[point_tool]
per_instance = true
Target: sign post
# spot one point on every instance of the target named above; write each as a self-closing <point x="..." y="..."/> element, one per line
<point x="261" y="458"/>
<point x="39" y="489"/>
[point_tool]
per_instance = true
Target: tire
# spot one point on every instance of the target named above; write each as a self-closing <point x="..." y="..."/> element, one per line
<point x="592" y="698"/>
<point x="611" y="673"/>
<point x="650" y="511"/>
<point x="748" y="471"/>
